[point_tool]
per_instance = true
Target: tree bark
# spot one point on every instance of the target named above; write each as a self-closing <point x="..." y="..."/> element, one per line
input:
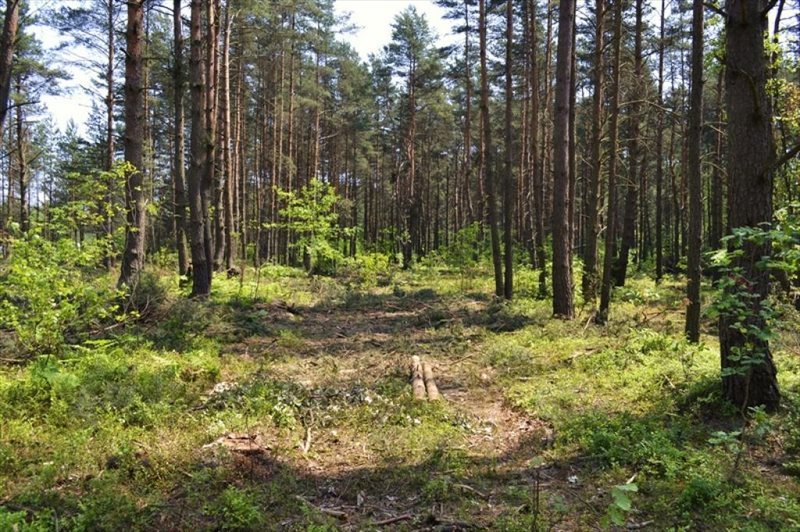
<point x="179" y="173"/>
<point x="590" y="273"/>
<point x="486" y="160"/>
<point x="611" y="216"/>
<point x="133" y="256"/>
<point x="8" y="42"/>
<point x="660" y="152"/>
<point x="210" y="99"/>
<point x="509" y="201"/>
<point x="751" y="155"/>
<point x="201" y="279"/>
<point x="229" y="178"/>
<point x="632" y="186"/>
<point x="717" y="183"/>
<point x="562" y="267"/>
<point x="695" y="177"/>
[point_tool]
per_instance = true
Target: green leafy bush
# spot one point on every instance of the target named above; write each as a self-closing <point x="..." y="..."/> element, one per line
<point x="50" y="294"/>
<point x="236" y="509"/>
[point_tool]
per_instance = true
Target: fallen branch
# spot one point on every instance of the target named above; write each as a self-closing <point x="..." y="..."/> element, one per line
<point x="15" y="360"/>
<point x="327" y="511"/>
<point x="470" y="489"/>
<point x="430" y="383"/>
<point x="417" y="383"/>
<point x="390" y="520"/>
<point x="306" y="445"/>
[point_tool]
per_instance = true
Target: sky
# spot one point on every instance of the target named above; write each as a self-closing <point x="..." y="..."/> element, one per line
<point x="372" y="20"/>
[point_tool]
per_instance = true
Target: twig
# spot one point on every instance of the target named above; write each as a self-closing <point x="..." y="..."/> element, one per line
<point x="15" y="360"/>
<point x="390" y="520"/>
<point x="470" y="489"/>
<point x="327" y="511"/>
<point x="307" y="441"/>
<point x="637" y="526"/>
<point x="591" y="317"/>
<point x="306" y="445"/>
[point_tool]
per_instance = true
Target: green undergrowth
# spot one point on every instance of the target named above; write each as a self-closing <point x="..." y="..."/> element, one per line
<point x="643" y="405"/>
<point x="116" y="431"/>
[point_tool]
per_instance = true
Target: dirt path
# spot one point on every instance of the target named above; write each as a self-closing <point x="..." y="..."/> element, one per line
<point x="365" y="451"/>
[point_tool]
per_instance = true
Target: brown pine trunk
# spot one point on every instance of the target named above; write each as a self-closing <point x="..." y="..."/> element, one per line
<point x="611" y="216"/>
<point x="716" y="229"/>
<point x="562" y="267"/>
<point x="229" y="178"/>
<point x="8" y="42"/>
<point x="133" y="256"/>
<point x="632" y="186"/>
<point x="107" y="202"/>
<point x="486" y="160"/>
<point x="695" y="177"/>
<point x="590" y="272"/>
<point x="660" y="152"/>
<point x="22" y="164"/>
<point x="201" y="266"/>
<point x="467" y="169"/>
<point x="509" y="199"/>
<point x="543" y="166"/>
<point x="210" y="98"/>
<point x="751" y="156"/>
<point x="179" y="171"/>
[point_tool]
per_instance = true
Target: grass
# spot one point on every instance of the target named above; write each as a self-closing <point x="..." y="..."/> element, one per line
<point x="120" y="432"/>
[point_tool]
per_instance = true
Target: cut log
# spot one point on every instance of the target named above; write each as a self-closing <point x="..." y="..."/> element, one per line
<point x="417" y="383"/>
<point x="430" y="384"/>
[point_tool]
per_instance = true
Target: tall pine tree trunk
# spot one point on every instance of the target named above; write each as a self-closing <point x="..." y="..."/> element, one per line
<point x="133" y="256"/>
<point x="201" y="265"/>
<point x="487" y="160"/>
<point x="590" y="272"/>
<point x="229" y="178"/>
<point x="179" y="172"/>
<point x="562" y="267"/>
<point x="632" y="186"/>
<point x="611" y="216"/>
<point x="509" y="199"/>
<point x="8" y="43"/>
<point x="660" y="152"/>
<point x="750" y="158"/>
<point x="695" y="177"/>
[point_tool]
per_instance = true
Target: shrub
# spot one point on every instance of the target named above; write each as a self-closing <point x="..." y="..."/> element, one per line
<point x="49" y="295"/>
<point x="236" y="509"/>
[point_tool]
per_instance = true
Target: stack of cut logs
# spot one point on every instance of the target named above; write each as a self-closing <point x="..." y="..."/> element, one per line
<point x="422" y="380"/>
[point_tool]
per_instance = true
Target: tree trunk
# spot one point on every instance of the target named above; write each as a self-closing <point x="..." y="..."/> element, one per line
<point x="179" y="175"/>
<point x="660" y="152"/>
<point x="210" y="99"/>
<point x="467" y="170"/>
<point x="133" y="256"/>
<point x="611" y="216"/>
<point x="486" y="160"/>
<point x="229" y="189"/>
<point x="107" y="202"/>
<point x="632" y="186"/>
<point x="8" y="42"/>
<point x="750" y="159"/>
<point x="695" y="177"/>
<point x="22" y="164"/>
<point x="201" y="279"/>
<point x="590" y="273"/>
<point x="509" y="199"/>
<point x="717" y="227"/>
<point x="562" y="267"/>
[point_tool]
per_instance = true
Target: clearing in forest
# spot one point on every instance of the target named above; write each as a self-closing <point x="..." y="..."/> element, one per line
<point x="292" y="409"/>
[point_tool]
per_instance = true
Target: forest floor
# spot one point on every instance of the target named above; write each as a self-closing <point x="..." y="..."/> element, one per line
<point x="285" y="403"/>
